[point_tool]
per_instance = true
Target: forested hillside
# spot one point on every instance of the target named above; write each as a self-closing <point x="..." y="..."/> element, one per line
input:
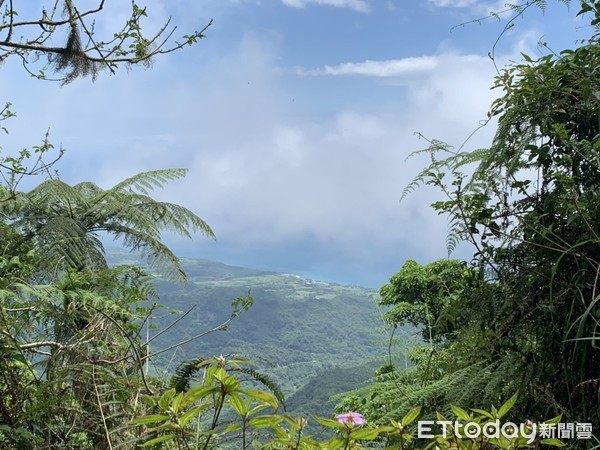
<point x="299" y="327"/>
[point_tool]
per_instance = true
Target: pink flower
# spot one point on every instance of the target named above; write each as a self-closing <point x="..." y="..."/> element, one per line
<point x="351" y="418"/>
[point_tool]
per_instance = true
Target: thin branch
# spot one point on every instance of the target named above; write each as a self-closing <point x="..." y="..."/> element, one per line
<point x="76" y="60"/>
<point x="41" y="344"/>
<point x="50" y="23"/>
<point x="12" y="20"/>
<point x="131" y="344"/>
<point x="103" y="417"/>
<point x="164" y="330"/>
<point x="90" y="36"/>
<point x="221" y="327"/>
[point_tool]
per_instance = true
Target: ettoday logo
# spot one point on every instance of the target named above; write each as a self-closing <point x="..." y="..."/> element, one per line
<point x="509" y="430"/>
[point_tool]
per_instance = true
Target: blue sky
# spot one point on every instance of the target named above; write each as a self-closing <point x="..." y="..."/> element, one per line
<point x="294" y="118"/>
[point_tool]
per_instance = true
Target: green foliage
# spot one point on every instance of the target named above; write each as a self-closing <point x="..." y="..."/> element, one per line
<point x="529" y="204"/>
<point x="525" y="316"/>
<point x="188" y="370"/>
<point x="72" y="362"/>
<point x="177" y="422"/>
<point x="179" y="414"/>
<point x="65" y="222"/>
<point x="435" y="297"/>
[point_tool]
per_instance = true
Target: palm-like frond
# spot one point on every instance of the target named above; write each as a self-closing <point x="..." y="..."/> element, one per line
<point x="65" y="220"/>
<point x="145" y="182"/>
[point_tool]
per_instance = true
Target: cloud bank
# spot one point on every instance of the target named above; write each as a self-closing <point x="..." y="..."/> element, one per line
<point x="356" y="5"/>
<point x="284" y="186"/>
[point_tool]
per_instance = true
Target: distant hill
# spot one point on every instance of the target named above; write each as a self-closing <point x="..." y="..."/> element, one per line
<point x="309" y="331"/>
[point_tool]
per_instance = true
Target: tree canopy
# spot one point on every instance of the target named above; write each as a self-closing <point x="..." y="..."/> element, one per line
<point x="529" y="205"/>
<point x="73" y="364"/>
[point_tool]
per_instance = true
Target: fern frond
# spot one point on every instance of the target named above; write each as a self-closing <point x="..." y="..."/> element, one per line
<point x="265" y="381"/>
<point x="147" y="181"/>
<point x="185" y="372"/>
<point x="433" y="170"/>
<point x="152" y="249"/>
<point x="55" y="191"/>
<point x="176" y="218"/>
<point x="476" y="156"/>
<point x="455" y="235"/>
<point x="63" y="220"/>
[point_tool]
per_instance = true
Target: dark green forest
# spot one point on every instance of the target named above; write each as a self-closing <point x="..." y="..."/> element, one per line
<point x="90" y="359"/>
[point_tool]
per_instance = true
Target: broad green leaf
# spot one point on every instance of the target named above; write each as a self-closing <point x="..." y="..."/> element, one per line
<point x="146" y="420"/>
<point x="553" y="442"/>
<point x="494" y="411"/>
<point x="280" y="432"/>
<point x="262" y="396"/>
<point x="264" y="421"/>
<point x="190" y="414"/>
<point x="366" y="434"/>
<point x="257" y="409"/>
<point x="482" y="412"/>
<point x="176" y="402"/>
<point x="439" y="416"/>
<point x="329" y="423"/>
<point x="461" y="413"/>
<point x="231" y="383"/>
<point x="163" y="438"/>
<point x="232" y="427"/>
<point x="197" y="393"/>
<point x="411" y="416"/>
<point x="219" y="374"/>
<point x="239" y="405"/>
<point x="507" y="405"/>
<point x="165" y="399"/>
<point x="554" y="420"/>
<point x="335" y="443"/>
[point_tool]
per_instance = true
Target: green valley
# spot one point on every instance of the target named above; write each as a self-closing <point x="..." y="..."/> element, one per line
<point x="313" y="338"/>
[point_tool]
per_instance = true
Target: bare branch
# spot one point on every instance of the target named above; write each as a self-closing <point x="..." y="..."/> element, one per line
<point x="33" y="345"/>
<point x="222" y="327"/>
<point x="74" y="59"/>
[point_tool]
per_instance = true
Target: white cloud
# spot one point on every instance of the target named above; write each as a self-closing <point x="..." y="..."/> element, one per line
<point x="263" y="173"/>
<point x="452" y="3"/>
<point x="385" y="68"/>
<point x="482" y="7"/>
<point x="356" y="5"/>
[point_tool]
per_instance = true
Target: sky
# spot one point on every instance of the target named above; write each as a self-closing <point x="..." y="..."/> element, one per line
<point x="295" y="119"/>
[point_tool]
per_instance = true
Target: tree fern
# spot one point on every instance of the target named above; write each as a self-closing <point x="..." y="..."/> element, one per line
<point x="66" y="222"/>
